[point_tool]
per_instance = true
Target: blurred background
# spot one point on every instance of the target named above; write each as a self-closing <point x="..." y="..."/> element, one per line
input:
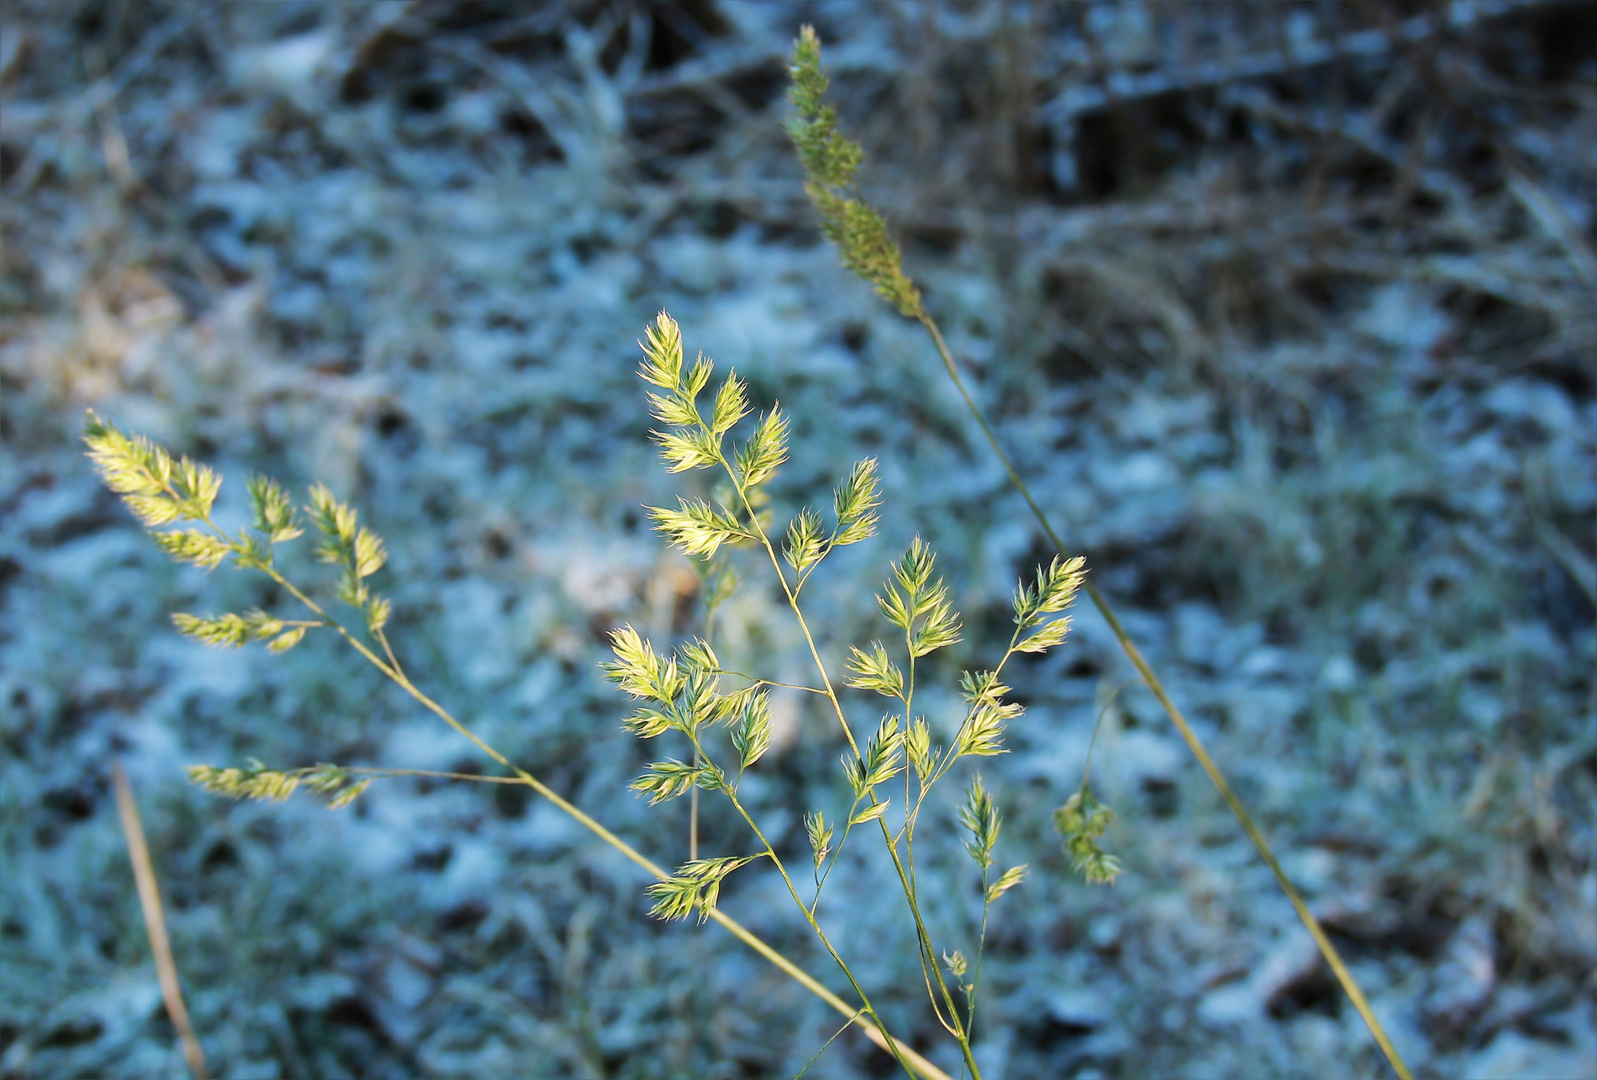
<point x="1287" y="311"/>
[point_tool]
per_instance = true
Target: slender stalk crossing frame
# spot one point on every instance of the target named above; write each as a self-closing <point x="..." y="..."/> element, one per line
<point x="1333" y="959"/>
<point x="831" y="163"/>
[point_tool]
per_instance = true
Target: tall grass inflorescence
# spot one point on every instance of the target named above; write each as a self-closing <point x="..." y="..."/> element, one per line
<point x="831" y="163"/>
<point x="683" y="692"/>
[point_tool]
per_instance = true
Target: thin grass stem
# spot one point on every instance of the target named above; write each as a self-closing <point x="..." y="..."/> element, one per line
<point x="693" y="812"/>
<point x="810" y="918"/>
<point x="755" y="682"/>
<point x="1097" y="726"/>
<point x="1333" y="958"/>
<point x="827" y="1044"/>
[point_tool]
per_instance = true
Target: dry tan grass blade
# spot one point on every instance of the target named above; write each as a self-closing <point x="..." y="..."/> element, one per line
<point x="155" y="923"/>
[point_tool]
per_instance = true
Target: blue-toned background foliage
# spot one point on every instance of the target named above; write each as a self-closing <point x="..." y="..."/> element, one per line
<point x="1285" y="310"/>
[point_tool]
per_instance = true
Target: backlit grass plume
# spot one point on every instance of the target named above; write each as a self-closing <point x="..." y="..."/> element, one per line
<point x="256" y="781"/>
<point x="723" y="716"/>
<point x="165" y="493"/>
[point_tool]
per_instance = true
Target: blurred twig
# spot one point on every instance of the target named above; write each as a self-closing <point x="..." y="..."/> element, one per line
<point x="113" y="142"/>
<point x="155" y="923"/>
<point x="100" y="94"/>
<point x="1552" y="217"/>
<point x="1570" y="557"/>
<point x="1124" y="86"/>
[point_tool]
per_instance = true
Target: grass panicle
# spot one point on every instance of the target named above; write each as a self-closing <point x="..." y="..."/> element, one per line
<point x="684" y="688"/>
<point x="681" y="689"/>
<point x="1082" y="821"/>
<point x="831" y="163"/>
<point x="256" y="781"/>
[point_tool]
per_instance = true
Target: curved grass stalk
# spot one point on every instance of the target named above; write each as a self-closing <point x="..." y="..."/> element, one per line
<point x="831" y="164"/>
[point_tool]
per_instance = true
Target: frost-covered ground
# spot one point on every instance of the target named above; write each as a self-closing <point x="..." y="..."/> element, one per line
<point x="1292" y="330"/>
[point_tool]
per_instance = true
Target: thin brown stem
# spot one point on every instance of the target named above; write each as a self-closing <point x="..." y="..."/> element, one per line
<point x="1345" y="977"/>
<point x="155" y="923"/>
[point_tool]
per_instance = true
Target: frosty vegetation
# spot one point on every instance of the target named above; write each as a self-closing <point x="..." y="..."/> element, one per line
<point x="1282" y="315"/>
